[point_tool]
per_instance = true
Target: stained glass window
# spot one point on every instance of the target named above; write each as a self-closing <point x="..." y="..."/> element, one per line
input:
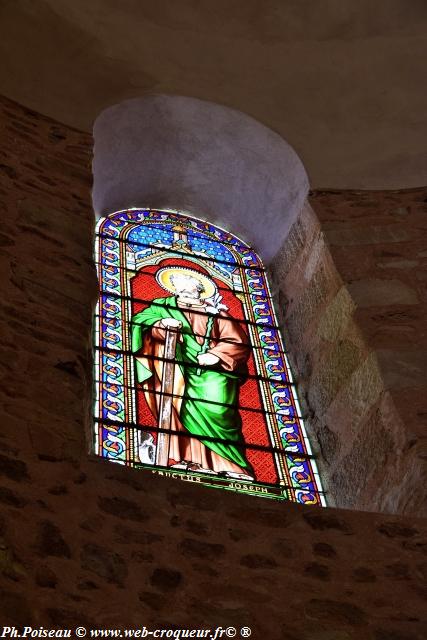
<point x="192" y="377"/>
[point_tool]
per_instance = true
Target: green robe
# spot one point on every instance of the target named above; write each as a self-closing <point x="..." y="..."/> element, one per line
<point x="198" y="415"/>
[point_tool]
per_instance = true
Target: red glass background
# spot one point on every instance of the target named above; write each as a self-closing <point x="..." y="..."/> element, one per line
<point x="144" y="287"/>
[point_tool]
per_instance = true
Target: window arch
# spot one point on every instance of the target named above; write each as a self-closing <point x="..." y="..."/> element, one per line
<point x="192" y="380"/>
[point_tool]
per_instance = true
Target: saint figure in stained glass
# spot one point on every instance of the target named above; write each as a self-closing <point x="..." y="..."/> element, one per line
<point x="192" y="376"/>
<point x="211" y="353"/>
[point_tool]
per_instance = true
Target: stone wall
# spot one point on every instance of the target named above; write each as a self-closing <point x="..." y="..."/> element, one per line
<point x="351" y="283"/>
<point x="85" y="542"/>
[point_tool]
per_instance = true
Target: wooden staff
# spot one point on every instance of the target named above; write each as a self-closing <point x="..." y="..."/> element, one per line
<point x="166" y="406"/>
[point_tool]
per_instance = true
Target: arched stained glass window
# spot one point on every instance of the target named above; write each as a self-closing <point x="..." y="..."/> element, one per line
<point x="192" y="379"/>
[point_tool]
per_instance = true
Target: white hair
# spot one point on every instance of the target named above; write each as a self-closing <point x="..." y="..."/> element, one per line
<point x="190" y="279"/>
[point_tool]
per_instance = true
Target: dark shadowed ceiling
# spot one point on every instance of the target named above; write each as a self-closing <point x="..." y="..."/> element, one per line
<point x="343" y="81"/>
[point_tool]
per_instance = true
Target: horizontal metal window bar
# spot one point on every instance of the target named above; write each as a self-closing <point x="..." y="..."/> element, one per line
<point x="221" y="287"/>
<point x="221" y="481"/>
<point x="240" y="320"/>
<point x="240" y="407"/>
<point x="203" y="234"/>
<point x="130" y="323"/>
<point x="161" y="224"/>
<point x="216" y="480"/>
<point x="183" y="254"/>
<point x="271" y="449"/>
<point x="185" y="364"/>
<point x="243" y="321"/>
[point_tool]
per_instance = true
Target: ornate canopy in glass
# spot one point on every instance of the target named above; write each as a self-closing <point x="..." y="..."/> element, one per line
<point x="192" y="378"/>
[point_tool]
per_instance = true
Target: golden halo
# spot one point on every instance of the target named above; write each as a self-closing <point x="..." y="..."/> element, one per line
<point x="163" y="277"/>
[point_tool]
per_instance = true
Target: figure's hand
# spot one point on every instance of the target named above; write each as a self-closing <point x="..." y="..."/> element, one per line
<point x="171" y="323"/>
<point x="207" y="359"/>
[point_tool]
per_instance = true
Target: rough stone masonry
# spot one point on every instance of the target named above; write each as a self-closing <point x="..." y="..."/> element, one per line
<point x="84" y="542"/>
